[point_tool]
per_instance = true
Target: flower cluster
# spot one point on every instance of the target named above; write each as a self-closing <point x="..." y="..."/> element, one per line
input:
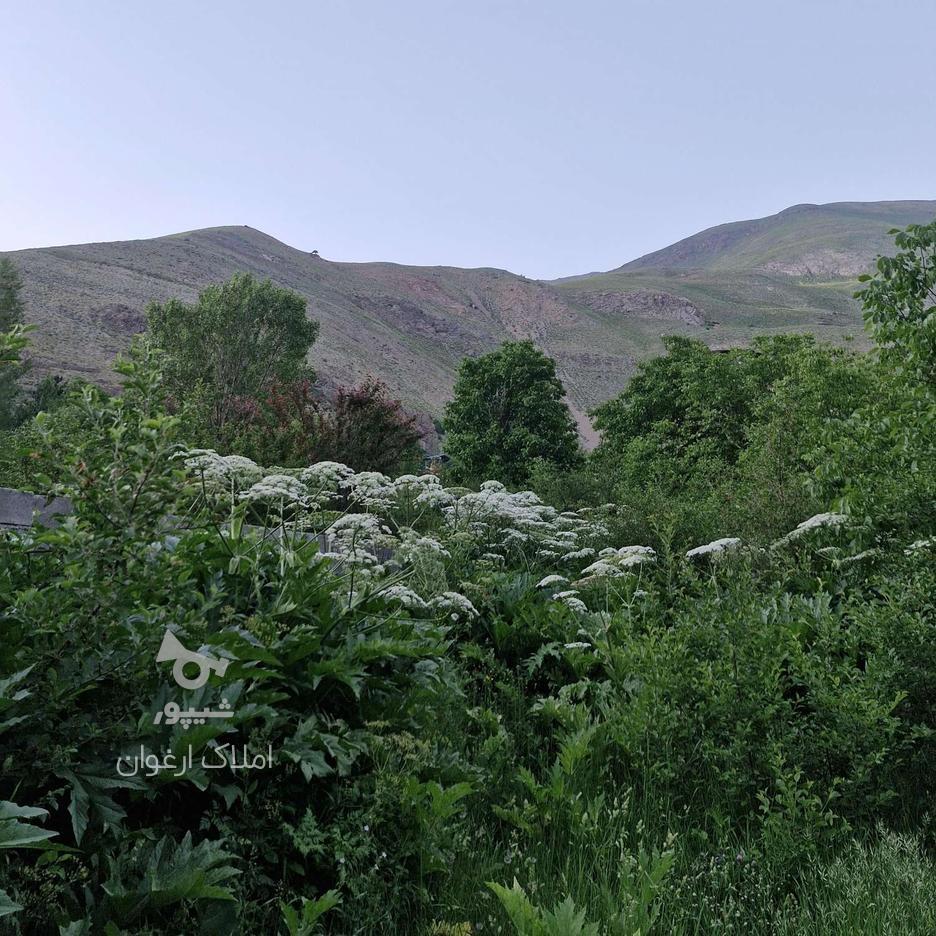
<point x="221" y="471"/>
<point x="413" y="529"/>
<point x="818" y="522"/>
<point x="716" y="548"/>
<point x="613" y="563"/>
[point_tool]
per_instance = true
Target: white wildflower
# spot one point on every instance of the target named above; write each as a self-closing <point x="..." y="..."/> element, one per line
<point x="369" y="489"/>
<point x="575" y="604"/>
<point x="586" y="553"/>
<point x="415" y="548"/>
<point x="551" y="580"/>
<point x="452" y="601"/>
<point x="222" y="470"/>
<point x="404" y="596"/>
<point x="602" y="568"/>
<point x="715" y="548"/>
<point x="644" y="552"/>
<point x="276" y="487"/>
<point x="817" y="522"/>
<point x="325" y="474"/>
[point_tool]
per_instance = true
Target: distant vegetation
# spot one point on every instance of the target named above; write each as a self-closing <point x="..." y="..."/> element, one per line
<point x="235" y="367"/>
<point x="411" y="326"/>
<point x="507" y="413"/>
<point x="687" y="687"/>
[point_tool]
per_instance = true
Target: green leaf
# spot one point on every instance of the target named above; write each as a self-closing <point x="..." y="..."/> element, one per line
<point x="88" y="796"/>
<point x="565" y="920"/>
<point x="523" y="914"/>
<point x="8" y="906"/>
<point x="16" y="834"/>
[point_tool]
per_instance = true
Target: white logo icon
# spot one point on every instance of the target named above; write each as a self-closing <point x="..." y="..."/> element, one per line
<point x="172" y="649"/>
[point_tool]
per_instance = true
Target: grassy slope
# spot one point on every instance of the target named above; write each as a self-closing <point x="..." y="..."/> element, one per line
<point x="796" y="270"/>
<point x="412" y="325"/>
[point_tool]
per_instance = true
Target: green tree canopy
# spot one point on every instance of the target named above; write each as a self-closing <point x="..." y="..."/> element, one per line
<point x="692" y="404"/>
<point x="719" y="443"/>
<point x="900" y="304"/>
<point x="233" y="344"/>
<point x="881" y="463"/>
<point x="507" y="412"/>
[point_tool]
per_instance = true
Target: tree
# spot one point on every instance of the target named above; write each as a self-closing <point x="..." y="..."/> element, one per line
<point x="900" y="305"/>
<point x="707" y="444"/>
<point x="507" y="412"/>
<point x="362" y="427"/>
<point x="880" y="464"/>
<point x="233" y="344"/>
<point x="368" y="430"/>
<point x="11" y="320"/>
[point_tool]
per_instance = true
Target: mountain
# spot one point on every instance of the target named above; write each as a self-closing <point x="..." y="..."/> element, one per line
<point x="817" y="242"/>
<point x="795" y="270"/>
<point x="411" y="325"/>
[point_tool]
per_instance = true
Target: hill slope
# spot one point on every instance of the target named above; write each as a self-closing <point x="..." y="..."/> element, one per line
<point x="795" y="270"/>
<point x="411" y="325"/>
<point x="835" y="241"/>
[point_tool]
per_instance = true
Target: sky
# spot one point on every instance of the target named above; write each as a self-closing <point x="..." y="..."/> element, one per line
<point x="547" y="138"/>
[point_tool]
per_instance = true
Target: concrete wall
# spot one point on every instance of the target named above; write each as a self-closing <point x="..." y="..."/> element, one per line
<point x="19" y="510"/>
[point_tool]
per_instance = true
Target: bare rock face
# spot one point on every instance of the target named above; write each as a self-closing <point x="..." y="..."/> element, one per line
<point x="821" y="265"/>
<point x="430" y="442"/>
<point x="118" y="319"/>
<point x="644" y="303"/>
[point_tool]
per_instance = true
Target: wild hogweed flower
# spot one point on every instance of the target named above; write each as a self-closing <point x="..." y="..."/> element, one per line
<point x="276" y="488"/>
<point x="715" y="548"/>
<point x="817" y="522"/>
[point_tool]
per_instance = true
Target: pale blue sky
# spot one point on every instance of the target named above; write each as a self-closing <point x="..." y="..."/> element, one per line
<point x="548" y="138"/>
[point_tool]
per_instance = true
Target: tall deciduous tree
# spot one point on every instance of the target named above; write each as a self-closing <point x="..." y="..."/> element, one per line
<point x="233" y="344"/>
<point x="507" y="412"/>
<point x="881" y="463"/>
<point x="900" y="304"/>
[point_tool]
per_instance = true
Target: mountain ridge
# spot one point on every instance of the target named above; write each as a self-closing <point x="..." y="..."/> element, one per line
<point x="411" y="325"/>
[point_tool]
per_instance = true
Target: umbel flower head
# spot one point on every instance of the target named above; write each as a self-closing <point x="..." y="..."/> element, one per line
<point x="716" y="548"/>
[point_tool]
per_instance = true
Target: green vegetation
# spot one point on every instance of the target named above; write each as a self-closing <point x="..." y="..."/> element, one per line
<point x="506" y="412"/>
<point x="233" y="345"/>
<point x="278" y="415"/>
<point x="478" y="711"/>
<point x="410" y="327"/>
<point x="11" y="317"/>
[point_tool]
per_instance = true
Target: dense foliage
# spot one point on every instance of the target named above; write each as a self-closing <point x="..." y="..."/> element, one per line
<point x="702" y="444"/>
<point x="361" y="426"/>
<point x="11" y="316"/>
<point x="232" y="345"/>
<point x="484" y="712"/>
<point x="507" y="411"/>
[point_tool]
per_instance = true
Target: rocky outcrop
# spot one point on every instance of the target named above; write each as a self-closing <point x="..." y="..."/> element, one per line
<point x="643" y="303"/>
